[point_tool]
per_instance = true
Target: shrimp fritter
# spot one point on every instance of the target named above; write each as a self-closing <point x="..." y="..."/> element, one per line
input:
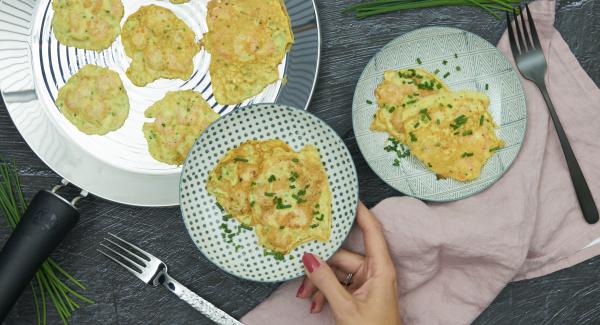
<point x="283" y="194"/>
<point x="160" y="45"/>
<point x="87" y="24"/>
<point x="179" y="119"/>
<point x="94" y="100"/>
<point x="247" y="40"/>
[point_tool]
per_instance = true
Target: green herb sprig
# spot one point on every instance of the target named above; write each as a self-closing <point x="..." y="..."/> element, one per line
<point x="49" y="281"/>
<point x="377" y="7"/>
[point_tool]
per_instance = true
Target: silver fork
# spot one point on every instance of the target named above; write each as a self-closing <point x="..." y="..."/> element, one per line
<point x="153" y="271"/>
<point x="530" y="59"/>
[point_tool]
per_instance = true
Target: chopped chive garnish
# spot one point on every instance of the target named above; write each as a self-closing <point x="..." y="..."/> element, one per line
<point x="468" y="132"/>
<point x="219" y="206"/>
<point x="416" y="125"/>
<point x="436" y="71"/>
<point x="299" y="197"/>
<point x="237" y="247"/>
<point x="419" y="61"/>
<point x="481" y="120"/>
<point x="411" y="102"/>
<point x="281" y="227"/>
<point x="269" y="194"/>
<point x="397" y="147"/>
<point x="467" y="154"/>
<point x="276" y="255"/>
<point x="272" y="178"/>
<point x="494" y="149"/>
<point x="444" y="62"/>
<point x="459" y="121"/>
<point x="225" y="228"/>
<point x="487" y="86"/>
<point x="242" y="159"/>
<point x="279" y="204"/>
<point x="457" y="68"/>
<point x="243" y="226"/>
<point x="315" y="225"/>
<point x="293" y="177"/>
<point x="449" y="105"/>
<point x="446" y="75"/>
<point x="427" y="84"/>
<point x="412" y="73"/>
<point x="455" y="56"/>
<point x="296" y="160"/>
<point x="320" y="217"/>
<point x="413" y="138"/>
<point x="252" y="203"/>
<point x="227" y="217"/>
<point x="369" y="102"/>
<point x="425" y="115"/>
<point x="437" y="121"/>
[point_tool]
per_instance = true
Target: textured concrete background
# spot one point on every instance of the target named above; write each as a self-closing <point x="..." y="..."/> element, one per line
<point x="567" y="296"/>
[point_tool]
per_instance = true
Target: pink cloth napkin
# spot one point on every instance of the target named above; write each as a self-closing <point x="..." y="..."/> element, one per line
<point x="452" y="259"/>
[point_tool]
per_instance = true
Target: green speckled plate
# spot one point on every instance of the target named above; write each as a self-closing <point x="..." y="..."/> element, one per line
<point x="481" y="64"/>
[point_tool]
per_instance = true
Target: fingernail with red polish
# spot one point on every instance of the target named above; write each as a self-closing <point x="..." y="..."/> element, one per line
<point x="300" y="290"/>
<point x="312" y="307"/>
<point x="310" y="262"/>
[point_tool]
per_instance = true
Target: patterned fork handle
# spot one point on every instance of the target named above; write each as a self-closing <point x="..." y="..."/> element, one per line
<point x="206" y="308"/>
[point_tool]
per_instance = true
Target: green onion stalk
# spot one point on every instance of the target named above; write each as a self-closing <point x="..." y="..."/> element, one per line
<point x="377" y="7"/>
<point x="49" y="281"/>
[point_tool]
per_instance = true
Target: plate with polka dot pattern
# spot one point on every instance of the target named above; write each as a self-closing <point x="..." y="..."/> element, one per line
<point x="203" y="218"/>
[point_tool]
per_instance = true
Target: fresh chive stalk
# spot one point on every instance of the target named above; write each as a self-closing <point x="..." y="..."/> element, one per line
<point x="377" y="7"/>
<point x="47" y="281"/>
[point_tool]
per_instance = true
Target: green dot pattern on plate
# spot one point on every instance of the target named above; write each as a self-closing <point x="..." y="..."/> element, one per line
<point x="481" y="64"/>
<point x="203" y="217"/>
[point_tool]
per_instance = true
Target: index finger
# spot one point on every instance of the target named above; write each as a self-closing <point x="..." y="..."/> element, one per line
<point x="375" y="244"/>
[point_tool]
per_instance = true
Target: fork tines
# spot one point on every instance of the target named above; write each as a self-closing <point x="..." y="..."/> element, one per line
<point x="521" y="36"/>
<point x="129" y="256"/>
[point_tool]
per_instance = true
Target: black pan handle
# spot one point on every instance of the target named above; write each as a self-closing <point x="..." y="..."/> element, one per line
<point x="44" y="225"/>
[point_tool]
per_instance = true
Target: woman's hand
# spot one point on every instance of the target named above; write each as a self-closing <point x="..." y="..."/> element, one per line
<point x="372" y="296"/>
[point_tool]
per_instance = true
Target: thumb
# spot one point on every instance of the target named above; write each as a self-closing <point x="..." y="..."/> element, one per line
<point x="321" y="275"/>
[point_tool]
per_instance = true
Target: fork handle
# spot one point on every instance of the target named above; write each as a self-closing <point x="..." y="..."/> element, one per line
<point x="206" y="308"/>
<point x="584" y="196"/>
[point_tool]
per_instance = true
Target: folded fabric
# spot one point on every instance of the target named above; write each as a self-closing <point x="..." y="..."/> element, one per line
<point x="453" y="259"/>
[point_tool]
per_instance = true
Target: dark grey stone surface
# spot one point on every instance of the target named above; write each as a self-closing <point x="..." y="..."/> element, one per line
<point x="567" y="296"/>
